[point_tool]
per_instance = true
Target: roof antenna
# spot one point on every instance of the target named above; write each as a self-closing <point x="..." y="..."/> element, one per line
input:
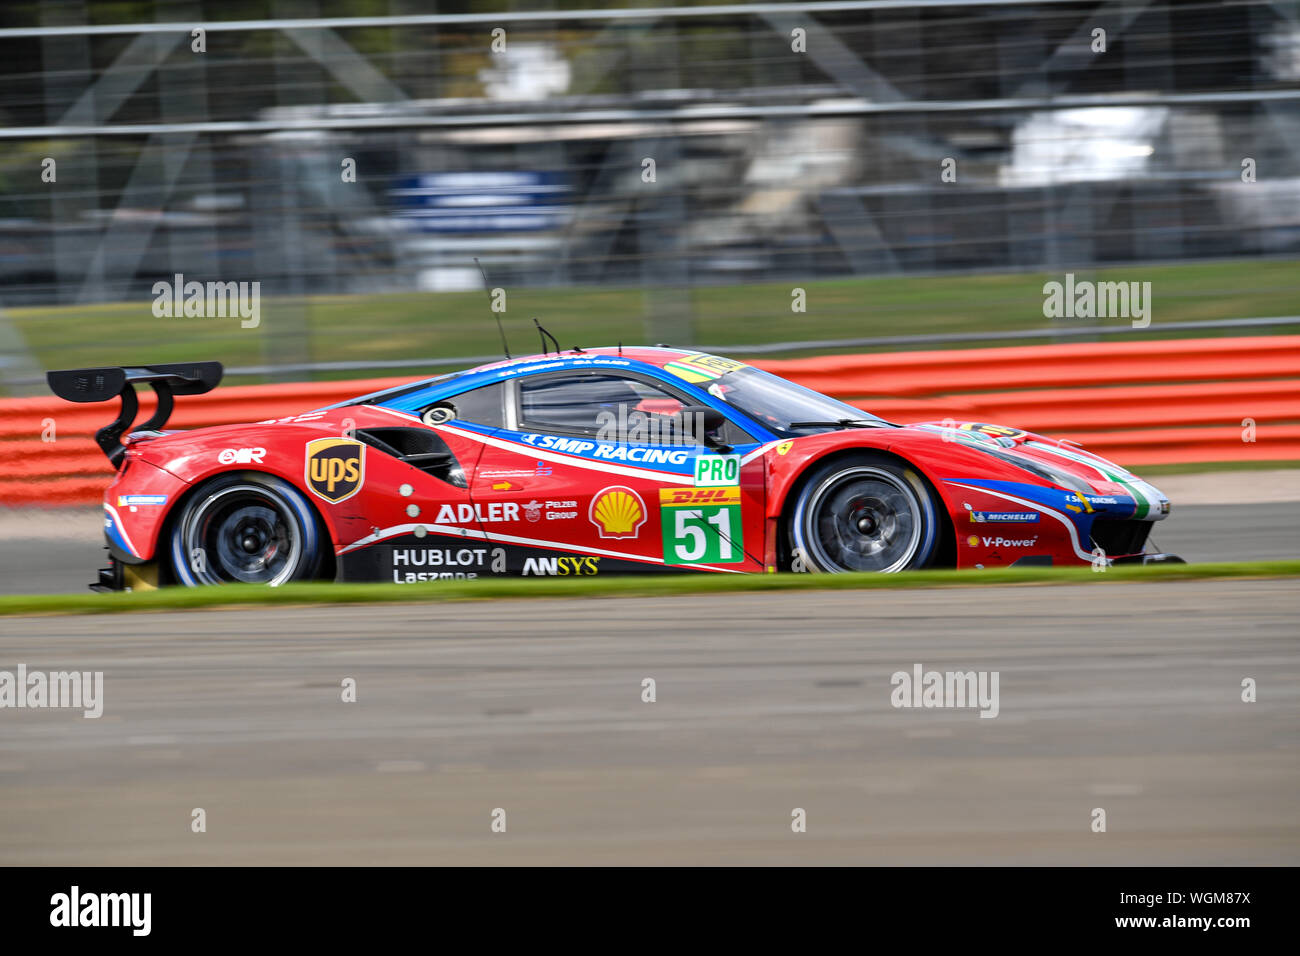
<point x="546" y="335"/>
<point x="487" y="287"/>
<point x="620" y="349"/>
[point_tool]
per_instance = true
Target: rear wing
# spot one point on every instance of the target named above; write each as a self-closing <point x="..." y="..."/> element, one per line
<point x="104" y="384"/>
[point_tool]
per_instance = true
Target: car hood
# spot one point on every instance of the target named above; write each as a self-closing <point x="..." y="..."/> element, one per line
<point x="1062" y="462"/>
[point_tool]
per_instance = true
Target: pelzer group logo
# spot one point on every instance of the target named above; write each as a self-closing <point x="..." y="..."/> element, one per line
<point x="617" y="512"/>
<point x="336" y="468"/>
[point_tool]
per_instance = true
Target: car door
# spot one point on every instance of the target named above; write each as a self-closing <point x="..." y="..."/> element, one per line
<point x="594" y="473"/>
<point x="414" y="520"/>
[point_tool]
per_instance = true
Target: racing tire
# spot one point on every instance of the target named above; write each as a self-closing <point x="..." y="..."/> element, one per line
<point x="864" y="513"/>
<point x="246" y="527"/>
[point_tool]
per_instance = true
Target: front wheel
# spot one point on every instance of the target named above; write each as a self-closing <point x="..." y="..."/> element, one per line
<point x="865" y="513"/>
<point x="245" y="528"/>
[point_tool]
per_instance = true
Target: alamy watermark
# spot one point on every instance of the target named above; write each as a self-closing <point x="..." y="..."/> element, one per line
<point x="652" y="428"/>
<point x="210" y="300"/>
<point x="76" y="909"/>
<point x="1085" y="299"/>
<point x="922" y="688"/>
<point x="24" y="689"/>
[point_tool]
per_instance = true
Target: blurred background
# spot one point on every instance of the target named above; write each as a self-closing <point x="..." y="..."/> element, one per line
<point x="647" y="173"/>
<point x="680" y="174"/>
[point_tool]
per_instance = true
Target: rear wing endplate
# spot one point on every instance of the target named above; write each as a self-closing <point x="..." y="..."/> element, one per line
<point x="104" y="384"/>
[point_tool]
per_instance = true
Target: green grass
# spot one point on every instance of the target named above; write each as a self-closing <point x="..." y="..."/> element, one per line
<point x="400" y="326"/>
<point x="233" y="596"/>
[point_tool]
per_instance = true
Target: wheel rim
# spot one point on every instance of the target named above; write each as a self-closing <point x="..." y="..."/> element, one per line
<point x="863" y="519"/>
<point x="244" y="534"/>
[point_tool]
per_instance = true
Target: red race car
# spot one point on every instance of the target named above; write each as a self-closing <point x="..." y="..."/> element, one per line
<point x="590" y="462"/>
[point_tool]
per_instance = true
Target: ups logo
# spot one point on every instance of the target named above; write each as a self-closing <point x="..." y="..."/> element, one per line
<point x="336" y="467"/>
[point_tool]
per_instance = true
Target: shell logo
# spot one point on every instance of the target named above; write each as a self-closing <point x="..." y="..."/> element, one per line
<point x="617" y="512"/>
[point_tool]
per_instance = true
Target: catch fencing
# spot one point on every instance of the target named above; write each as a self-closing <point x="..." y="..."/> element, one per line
<point x="1138" y="403"/>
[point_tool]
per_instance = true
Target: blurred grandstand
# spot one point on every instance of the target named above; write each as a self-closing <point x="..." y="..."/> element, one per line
<point x="792" y="142"/>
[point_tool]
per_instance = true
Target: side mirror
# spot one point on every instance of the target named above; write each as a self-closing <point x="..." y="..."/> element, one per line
<point x="702" y="421"/>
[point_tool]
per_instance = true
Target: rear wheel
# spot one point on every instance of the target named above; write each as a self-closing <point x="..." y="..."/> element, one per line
<point x="864" y="513"/>
<point x="245" y="528"/>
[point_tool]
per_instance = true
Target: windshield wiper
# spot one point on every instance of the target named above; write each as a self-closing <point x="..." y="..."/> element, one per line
<point x="838" y="423"/>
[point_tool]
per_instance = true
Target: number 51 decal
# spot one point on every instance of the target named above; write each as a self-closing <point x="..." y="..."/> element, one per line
<point x="701" y="525"/>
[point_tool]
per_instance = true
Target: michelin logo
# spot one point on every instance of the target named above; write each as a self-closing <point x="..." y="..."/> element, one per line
<point x="1004" y="517"/>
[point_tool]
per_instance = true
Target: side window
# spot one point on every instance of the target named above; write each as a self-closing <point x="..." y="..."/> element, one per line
<point x="733" y="434"/>
<point x="478" y="406"/>
<point x="611" y="407"/>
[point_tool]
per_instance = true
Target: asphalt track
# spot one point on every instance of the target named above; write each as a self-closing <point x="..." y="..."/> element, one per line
<point x="1120" y="696"/>
<point x="63" y="558"/>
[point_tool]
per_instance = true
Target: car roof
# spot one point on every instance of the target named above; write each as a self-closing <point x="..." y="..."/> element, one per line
<point x="658" y="356"/>
<point x="628" y="358"/>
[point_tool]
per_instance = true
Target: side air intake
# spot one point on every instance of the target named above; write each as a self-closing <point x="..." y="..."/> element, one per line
<point x="419" y="448"/>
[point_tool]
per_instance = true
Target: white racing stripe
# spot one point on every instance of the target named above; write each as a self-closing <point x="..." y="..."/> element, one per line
<point x="1064" y="519"/>
<point x="1138" y="489"/>
<point x="1079" y="457"/>
<point x="397" y="529"/>
<point x="403" y="415"/>
<point x="527" y="450"/>
<point x="531" y="451"/>
<point x="121" y="529"/>
<point x="758" y="451"/>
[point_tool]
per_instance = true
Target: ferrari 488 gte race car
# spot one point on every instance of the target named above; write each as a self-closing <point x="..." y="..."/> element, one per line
<point x="590" y="462"/>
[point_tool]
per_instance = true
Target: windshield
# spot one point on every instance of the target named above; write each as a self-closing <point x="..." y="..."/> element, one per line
<point x="779" y="405"/>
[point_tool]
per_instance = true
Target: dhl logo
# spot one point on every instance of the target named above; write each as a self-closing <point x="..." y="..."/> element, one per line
<point x="699" y="496"/>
